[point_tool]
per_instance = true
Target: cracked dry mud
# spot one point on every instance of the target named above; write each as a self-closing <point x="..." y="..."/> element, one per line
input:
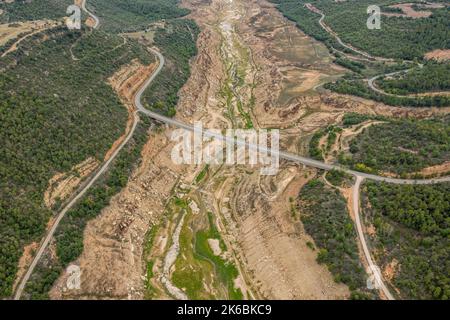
<point x="254" y="69"/>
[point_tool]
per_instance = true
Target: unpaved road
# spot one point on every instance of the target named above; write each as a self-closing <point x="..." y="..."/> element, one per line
<point x="373" y="268"/>
<point x="275" y="153"/>
<point x="82" y="192"/>
<point x="371" y="83"/>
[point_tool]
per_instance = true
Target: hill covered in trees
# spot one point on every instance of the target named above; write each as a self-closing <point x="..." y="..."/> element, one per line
<point x="412" y="227"/>
<point x="401" y="146"/>
<point x="399" y="37"/>
<point x="22" y="10"/>
<point x="433" y="77"/>
<point x="56" y="111"/>
<point x="325" y="217"/>
<point x="132" y="15"/>
<point x="177" y="42"/>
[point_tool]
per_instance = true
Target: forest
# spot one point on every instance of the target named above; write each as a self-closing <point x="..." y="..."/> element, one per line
<point x="417" y="37"/>
<point x="398" y="38"/>
<point x="47" y="128"/>
<point x="326" y="219"/>
<point x="23" y="10"/>
<point x="132" y="15"/>
<point x="401" y="146"/>
<point x="433" y="77"/>
<point x="360" y="88"/>
<point x="177" y="43"/>
<point x="412" y="224"/>
<point x="69" y="235"/>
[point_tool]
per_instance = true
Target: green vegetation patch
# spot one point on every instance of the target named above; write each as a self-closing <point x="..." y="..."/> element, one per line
<point x="24" y="10"/>
<point x="55" y="113"/>
<point x="197" y="266"/>
<point x="402" y="146"/>
<point x="412" y="224"/>
<point x="339" y="178"/>
<point x="360" y="88"/>
<point x="226" y="271"/>
<point x="399" y="37"/>
<point x="433" y="77"/>
<point x="134" y="15"/>
<point x="325" y="217"/>
<point x="315" y="150"/>
<point x="69" y="235"/>
<point x="177" y="42"/>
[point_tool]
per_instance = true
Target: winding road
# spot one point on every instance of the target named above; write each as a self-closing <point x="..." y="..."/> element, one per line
<point x="274" y="153"/>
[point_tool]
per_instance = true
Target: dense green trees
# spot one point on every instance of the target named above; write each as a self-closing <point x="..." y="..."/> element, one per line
<point x="69" y="235"/>
<point x="432" y="77"/>
<point x="22" y="10"/>
<point x="325" y="217"/>
<point x="412" y="224"/>
<point x="402" y="146"/>
<point x="361" y="89"/>
<point x="400" y="39"/>
<point x="55" y="112"/>
<point x="132" y="15"/>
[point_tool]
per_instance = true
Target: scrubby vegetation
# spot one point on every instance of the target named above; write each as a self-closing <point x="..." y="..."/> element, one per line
<point x="339" y="178"/>
<point x="132" y="15"/>
<point x="399" y="37"/>
<point x="55" y="113"/>
<point x="307" y="21"/>
<point x="23" y="10"/>
<point x="353" y="118"/>
<point x="197" y="268"/>
<point x="325" y="217"/>
<point x="432" y="77"/>
<point x="69" y="236"/>
<point x="316" y="151"/>
<point x="177" y="42"/>
<point x="401" y="146"/>
<point x="412" y="226"/>
<point x="361" y="89"/>
<point x="226" y="271"/>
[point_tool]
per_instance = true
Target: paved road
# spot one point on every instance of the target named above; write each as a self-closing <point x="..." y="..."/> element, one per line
<point x="371" y="81"/>
<point x="280" y="154"/>
<point x="93" y="16"/>
<point x="105" y="166"/>
<point x="373" y="268"/>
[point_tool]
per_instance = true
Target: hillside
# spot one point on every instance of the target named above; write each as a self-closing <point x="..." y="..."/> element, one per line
<point x="133" y="15"/>
<point x="56" y="112"/>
